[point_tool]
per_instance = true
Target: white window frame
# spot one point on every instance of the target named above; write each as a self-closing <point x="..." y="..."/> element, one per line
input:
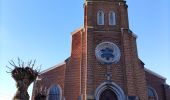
<point x="60" y="91"/>
<point x="100" y="18"/>
<point x="155" y="93"/>
<point x="112" y="21"/>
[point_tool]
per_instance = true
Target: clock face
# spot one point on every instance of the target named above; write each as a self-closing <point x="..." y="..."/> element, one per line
<point x="107" y="53"/>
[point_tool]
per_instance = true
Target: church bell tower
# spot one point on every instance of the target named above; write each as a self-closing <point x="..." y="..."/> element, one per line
<point x="104" y="62"/>
<point x="111" y="64"/>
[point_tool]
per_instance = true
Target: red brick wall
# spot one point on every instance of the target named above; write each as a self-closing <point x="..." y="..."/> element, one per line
<point x="73" y="71"/>
<point x="96" y="71"/>
<point x="82" y="73"/>
<point x="128" y="73"/>
<point x="167" y="91"/>
<point x="135" y="75"/>
<point x="53" y="77"/>
<point x="157" y="84"/>
<point x="120" y="10"/>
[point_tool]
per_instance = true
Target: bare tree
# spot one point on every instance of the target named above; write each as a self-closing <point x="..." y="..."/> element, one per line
<point x="24" y="74"/>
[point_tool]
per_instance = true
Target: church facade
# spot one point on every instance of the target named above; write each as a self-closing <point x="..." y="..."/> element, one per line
<point x="104" y="63"/>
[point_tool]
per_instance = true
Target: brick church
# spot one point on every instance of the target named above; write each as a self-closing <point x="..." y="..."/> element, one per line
<point x="104" y="63"/>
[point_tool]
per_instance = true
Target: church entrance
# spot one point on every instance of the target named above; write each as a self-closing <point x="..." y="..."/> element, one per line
<point x="109" y="91"/>
<point x="108" y="95"/>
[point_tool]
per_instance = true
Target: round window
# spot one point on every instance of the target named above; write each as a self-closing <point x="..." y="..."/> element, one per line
<point x="107" y="53"/>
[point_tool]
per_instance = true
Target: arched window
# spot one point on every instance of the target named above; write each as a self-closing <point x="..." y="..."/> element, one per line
<point x="109" y="89"/>
<point x="54" y="93"/>
<point x="100" y="17"/>
<point x="112" y="18"/>
<point x="152" y="95"/>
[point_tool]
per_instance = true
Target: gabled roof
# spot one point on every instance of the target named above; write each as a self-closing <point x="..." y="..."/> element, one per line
<point x="155" y="74"/>
<point x="152" y="72"/>
<point x="51" y="68"/>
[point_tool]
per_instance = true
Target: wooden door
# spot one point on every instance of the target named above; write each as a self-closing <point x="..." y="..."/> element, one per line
<point x="108" y="95"/>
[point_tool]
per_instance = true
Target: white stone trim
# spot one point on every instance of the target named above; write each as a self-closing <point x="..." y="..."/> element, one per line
<point x="110" y="85"/>
<point x="133" y="34"/>
<point x="153" y="73"/>
<point x="90" y="26"/>
<point x="77" y="30"/>
<point x="102" y="17"/>
<point x="109" y="45"/>
<point x="51" y="68"/>
<point x="60" y="90"/>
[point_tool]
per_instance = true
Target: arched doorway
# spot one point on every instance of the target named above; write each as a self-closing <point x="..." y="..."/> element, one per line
<point x="109" y="91"/>
<point x="108" y="95"/>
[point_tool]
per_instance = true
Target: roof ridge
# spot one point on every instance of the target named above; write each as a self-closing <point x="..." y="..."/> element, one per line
<point x="51" y="68"/>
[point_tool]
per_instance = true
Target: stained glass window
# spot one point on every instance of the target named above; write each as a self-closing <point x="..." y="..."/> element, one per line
<point x="151" y="94"/>
<point x="54" y="93"/>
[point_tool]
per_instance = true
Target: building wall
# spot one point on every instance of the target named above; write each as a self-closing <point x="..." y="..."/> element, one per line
<point x="48" y="79"/>
<point x="128" y="74"/>
<point x="73" y="70"/>
<point x="156" y="83"/>
<point x="82" y="74"/>
<point x="167" y="91"/>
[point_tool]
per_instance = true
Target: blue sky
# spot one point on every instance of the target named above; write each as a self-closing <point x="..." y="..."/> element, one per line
<point x="40" y="29"/>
